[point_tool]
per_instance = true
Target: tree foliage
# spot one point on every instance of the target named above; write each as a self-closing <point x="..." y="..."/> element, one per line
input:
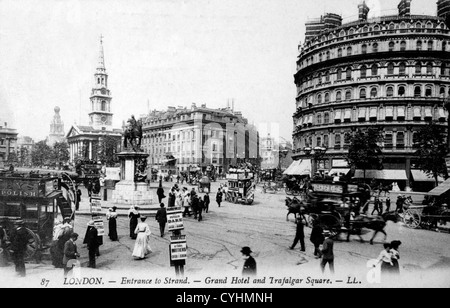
<point x="61" y="153"/>
<point x="107" y="150"/>
<point x="431" y="144"/>
<point x="41" y="154"/>
<point x="364" y="151"/>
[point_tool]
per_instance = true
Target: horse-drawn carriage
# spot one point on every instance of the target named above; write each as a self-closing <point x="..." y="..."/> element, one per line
<point x="35" y="200"/>
<point x="241" y="187"/>
<point x="204" y="184"/>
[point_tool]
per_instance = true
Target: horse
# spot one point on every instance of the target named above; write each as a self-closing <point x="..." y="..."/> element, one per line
<point x="294" y="206"/>
<point x="133" y="135"/>
<point x="376" y="223"/>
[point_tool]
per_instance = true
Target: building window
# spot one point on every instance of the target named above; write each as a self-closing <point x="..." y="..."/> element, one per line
<point x="349" y="51"/>
<point x="391" y="46"/>
<point x="328" y="55"/>
<point x="319" y="119"/>
<point x="419" y="45"/>
<point x="443" y="69"/>
<point x="362" y="93"/>
<point x="338" y="96"/>
<point x="428" y="92"/>
<point x="390" y="69"/>
<point x="429" y="68"/>
<point x="444" y="46"/>
<point x="374" y="70"/>
<point x="418" y="68"/>
<point x="364" y="49"/>
<point x="348" y="73"/>
<point x="430" y="45"/>
<point x="388" y="141"/>
<point x="326" y="118"/>
<point x="402" y="69"/>
<point x="337" y="142"/>
<point x="402" y="46"/>
<point x="325" y="141"/>
<point x="339" y="74"/>
<point x="319" y="141"/>
<point x="417" y="92"/>
<point x="363" y="71"/>
<point x="348" y="95"/>
<point x="339" y="53"/>
<point x="389" y="91"/>
<point x="373" y="92"/>
<point x="327" y="76"/>
<point x="319" y="99"/>
<point x="375" y="47"/>
<point x="327" y="97"/>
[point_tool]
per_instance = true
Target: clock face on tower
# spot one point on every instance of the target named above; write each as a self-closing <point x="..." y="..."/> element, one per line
<point x="103" y="119"/>
<point x="103" y="91"/>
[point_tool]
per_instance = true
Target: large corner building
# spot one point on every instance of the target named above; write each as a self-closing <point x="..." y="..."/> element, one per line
<point x="391" y="72"/>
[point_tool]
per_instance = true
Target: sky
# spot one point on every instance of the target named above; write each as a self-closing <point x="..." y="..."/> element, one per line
<point x="158" y="53"/>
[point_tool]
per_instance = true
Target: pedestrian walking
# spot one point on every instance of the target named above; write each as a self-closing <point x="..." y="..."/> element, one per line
<point x="61" y="235"/>
<point x="219" y="197"/>
<point x="161" y="217"/>
<point x="171" y="201"/>
<point x="19" y="241"/>
<point x="3" y="247"/>
<point x="142" y="246"/>
<point x="249" y="268"/>
<point x="160" y="192"/>
<point x="385" y="259"/>
<point x="299" y="235"/>
<point x="186" y="203"/>
<point x="201" y="206"/>
<point x="399" y="204"/>
<point x="317" y="238"/>
<point x="134" y="215"/>
<point x="111" y="216"/>
<point x="89" y="189"/>
<point x="92" y="242"/>
<point x="195" y="204"/>
<point x="327" y="252"/>
<point x="388" y="203"/>
<point x="70" y="253"/>
<point x="206" y="202"/>
<point x="377" y="206"/>
<point x="78" y="199"/>
<point x="395" y="256"/>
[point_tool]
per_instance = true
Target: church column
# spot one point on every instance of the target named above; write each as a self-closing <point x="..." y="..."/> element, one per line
<point x="90" y="149"/>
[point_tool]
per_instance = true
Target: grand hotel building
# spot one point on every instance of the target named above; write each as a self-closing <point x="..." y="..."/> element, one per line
<point x="391" y="72"/>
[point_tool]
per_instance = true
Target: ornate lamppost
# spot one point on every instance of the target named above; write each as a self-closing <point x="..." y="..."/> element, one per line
<point x="316" y="154"/>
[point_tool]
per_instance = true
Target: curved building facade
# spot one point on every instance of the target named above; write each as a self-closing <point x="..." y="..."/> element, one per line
<point x="391" y="72"/>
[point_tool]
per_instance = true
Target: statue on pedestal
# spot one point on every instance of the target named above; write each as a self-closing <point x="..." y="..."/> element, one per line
<point x="133" y="134"/>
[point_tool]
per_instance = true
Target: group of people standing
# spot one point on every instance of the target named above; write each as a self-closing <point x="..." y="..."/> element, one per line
<point x="388" y="258"/>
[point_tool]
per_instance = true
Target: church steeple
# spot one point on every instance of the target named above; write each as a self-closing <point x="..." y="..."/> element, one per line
<point x="100" y="116"/>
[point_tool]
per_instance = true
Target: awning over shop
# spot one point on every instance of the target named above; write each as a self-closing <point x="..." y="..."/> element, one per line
<point x="440" y="189"/>
<point x="386" y="174"/>
<point x="339" y="171"/>
<point x="421" y="176"/>
<point x="299" y="167"/>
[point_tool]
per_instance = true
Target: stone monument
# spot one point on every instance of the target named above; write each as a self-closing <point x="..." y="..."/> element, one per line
<point x="132" y="188"/>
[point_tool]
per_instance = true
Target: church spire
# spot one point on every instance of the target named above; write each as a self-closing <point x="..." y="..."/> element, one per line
<point x="101" y="58"/>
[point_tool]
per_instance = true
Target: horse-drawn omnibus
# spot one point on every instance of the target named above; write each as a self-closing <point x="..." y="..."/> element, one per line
<point x="36" y="199"/>
<point x="240" y="187"/>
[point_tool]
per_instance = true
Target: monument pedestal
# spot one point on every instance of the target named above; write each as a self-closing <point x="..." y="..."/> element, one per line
<point x="128" y="190"/>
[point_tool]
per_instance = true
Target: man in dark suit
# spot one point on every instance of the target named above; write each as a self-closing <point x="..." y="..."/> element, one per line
<point x="70" y="253"/>
<point x="206" y="202"/>
<point x="19" y="241"/>
<point x="92" y="243"/>
<point x="299" y="235"/>
<point x="161" y="217"/>
<point x="249" y="268"/>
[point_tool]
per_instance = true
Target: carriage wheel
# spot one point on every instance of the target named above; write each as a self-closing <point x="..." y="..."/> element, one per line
<point x="412" y="219"/>
<point x="33" y="245"/>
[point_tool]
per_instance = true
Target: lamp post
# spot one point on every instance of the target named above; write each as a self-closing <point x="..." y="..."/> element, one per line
<point x="316" y="154"/>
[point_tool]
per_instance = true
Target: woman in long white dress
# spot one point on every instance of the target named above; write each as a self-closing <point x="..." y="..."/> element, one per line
<point x="142" y="245"/>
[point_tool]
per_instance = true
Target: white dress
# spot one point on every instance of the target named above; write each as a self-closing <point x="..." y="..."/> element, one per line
<point x="142" y="245"/>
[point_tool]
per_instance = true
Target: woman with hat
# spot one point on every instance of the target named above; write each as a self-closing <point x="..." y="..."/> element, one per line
<point x="142" y="246"/>
<point x="111" y="216"/>
<point x="395" y="256"/>
<point x="385" y="258"/>
<point x="249" y="268"/>
<point x="133" y="214"/>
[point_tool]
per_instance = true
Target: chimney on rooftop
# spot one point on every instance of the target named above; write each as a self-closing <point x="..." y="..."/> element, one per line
<point x="363" y="11"/>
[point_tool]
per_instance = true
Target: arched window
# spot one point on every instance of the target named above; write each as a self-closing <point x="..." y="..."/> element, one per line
<point x="430" y="45"/>
<point x="443" y="69"/>
<point x="338" y="96"/>
<point x="363" y="71"/>
<point x="362" y="93"/>
<point x="319" y="119"/>
<point x="402" y="69"/>
<point x="401" y="91"/>
<point x="327" y="76"/>
<point x="328" y="55"/>
<point x="103" y="107"/>
<point x="390" y="69"/>
<point x="320" y="57"/>
<point x="319" y="98"/>
<point x="326" y="118"/>
<point x="419" y="45"/>
<point x="327" y="97"/>
<point x="375" y="47"/>
<point x="390" y="91"/>
<point x="373" y="92"/>
<point x="374" y="70"/>
<point x="339" y="74"/>
<point x="442" y="92"/>
<point x="444" y="46"/>
<point x="349" y="51"/>
<point x="429" y="68"/>
<point x="391" y="46"/>
<point x="348" y="73"/>
<point x="339" y="54"/>
<point x="418" y="68"/>
<point x="98" y="80"/>
<point x="428" y="92"/>
<point x="402" y="46"/>
<point x="364" y="49"/>
<point x="417" y="91"/>
<point x="348" y="95"/>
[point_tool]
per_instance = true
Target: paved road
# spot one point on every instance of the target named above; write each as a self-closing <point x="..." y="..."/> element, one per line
<point x="214" y="252"/>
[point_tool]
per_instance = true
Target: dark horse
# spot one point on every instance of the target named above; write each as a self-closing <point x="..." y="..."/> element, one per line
<point x="376" y="223"/>
<point x="133" y="135"/>
<point x="294" y="206"/>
